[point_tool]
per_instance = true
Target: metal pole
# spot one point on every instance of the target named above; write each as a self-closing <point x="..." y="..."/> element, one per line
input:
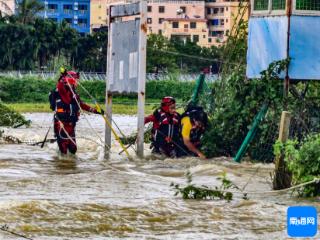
<point x="108" y="95"/>
<point x="142" y="76"/>
<point x="287" y="78"/>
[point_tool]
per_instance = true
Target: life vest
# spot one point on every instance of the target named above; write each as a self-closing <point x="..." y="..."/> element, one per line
<point x="63" y="112"/>
<point x="169" y="126"/>
<point x="195" y="133"/>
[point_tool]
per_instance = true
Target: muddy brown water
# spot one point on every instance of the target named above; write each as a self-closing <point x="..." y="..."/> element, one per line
<point x="46" y="196"/>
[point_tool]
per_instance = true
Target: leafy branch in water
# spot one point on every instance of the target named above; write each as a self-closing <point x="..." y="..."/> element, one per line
<point x="9" y="117"/>
<point x="205" y="193"/>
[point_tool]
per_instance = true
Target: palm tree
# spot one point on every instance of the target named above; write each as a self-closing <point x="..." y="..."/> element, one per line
<point x="28" y="10"/>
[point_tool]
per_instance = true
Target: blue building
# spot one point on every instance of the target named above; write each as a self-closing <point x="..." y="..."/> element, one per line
<point x="279" y="29"/>
<point x="75" y="12"/>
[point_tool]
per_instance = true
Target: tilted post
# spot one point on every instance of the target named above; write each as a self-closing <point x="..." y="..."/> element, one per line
<point x="282" y="178"/>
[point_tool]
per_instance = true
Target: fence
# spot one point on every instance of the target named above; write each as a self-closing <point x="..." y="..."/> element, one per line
<point x="96" y="76"/>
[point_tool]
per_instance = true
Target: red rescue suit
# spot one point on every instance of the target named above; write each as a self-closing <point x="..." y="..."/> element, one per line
<point x="66" y="115"/>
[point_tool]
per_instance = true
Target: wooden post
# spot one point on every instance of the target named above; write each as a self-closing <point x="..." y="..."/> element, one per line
<point x="282" y="178"/>
<point x="286" y="81"/>
<point x="142" y="77"/>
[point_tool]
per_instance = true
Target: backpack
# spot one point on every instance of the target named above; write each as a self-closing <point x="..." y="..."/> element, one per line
<point x="52" y="99"/>
<point x="196" y="113"/>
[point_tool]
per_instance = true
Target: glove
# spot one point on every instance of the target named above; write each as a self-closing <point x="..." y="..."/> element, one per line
<point x="100" y="112"/>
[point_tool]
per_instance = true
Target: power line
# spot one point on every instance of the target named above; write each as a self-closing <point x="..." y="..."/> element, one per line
<point x="194" y="57"/>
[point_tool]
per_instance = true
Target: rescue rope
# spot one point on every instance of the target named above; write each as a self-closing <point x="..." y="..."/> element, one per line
<point x="95" y="103"/>
<point x="315" y="180"/>
<point x="105" y="119"/>
<point x="80" y="109"/>
<point x="5" y="228"/>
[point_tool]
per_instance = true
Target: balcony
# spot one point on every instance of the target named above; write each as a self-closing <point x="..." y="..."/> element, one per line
<point x="67" y="11"/>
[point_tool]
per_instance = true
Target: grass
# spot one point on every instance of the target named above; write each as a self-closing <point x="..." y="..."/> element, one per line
<point x="117" y="108"/>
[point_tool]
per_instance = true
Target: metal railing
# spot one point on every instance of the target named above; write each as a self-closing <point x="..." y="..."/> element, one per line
<point x="98" y="76"/>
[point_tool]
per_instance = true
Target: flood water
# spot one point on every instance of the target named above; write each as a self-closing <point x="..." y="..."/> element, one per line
<point x="46" y="196"/>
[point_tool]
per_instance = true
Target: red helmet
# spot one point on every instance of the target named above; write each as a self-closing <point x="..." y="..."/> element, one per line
<point x="166" y="102"/>
<point x="71" y="78"/>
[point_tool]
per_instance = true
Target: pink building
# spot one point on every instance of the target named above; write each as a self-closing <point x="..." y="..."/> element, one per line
<point x="7" y="7"/>
<point x="158" y="10"/>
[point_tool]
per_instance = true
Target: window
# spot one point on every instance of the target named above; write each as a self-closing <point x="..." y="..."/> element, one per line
<point x="175" y="24"/>
<point x="204" y="36"/>
<point x="186" y="26"/>
<point x="161" y="20"/>
<point x="209" y="40"/>
<point x="208" y="11"/>
<point x="278" y="4"/>
<point x="160" y="32"/>
<point x="261" y="5"/>
<point x="82" y="22"/>
<point x="193" y="25"/>
<point x="161" y="9"/>
<point x="52" y="7"/>
<point x="227" y="20"/>
<point x="215" y="10"/>
<point x="311" y="5"/>
<point x="149" y="8"/>
<point x="183" y="9"/>
<point x="227" y="9"/>
<point x="149" y="20"/>
<point x="67" y="8"/>
<point x="221" y="22"/>
<point x="195" y="38"/>
<point x="222" y="10"/>
<point x="83" y="8"/>
<point x="68" y="21"/>
<point x="217" y="33"/>
<point x="215" y="22"/>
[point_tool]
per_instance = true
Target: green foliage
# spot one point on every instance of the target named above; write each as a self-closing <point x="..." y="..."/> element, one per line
<point x="36" y="90"/>
<point x="158" y="58"/>
<point x="205" y="193"/>
<point x="303" y="160"/>
<point x="91" y="53"/>
<point x="236" y="108"/>
<point x="27" y="10"/>
<point x="10" y="118"/>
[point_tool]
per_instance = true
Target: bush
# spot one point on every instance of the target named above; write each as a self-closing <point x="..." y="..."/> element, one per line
<point x="31" y="89"/>
<point x="303" y="160"/>
<point x="10" y="118"/>
<point x="237" y="102"/>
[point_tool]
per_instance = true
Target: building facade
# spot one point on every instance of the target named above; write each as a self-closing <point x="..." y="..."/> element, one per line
<point x="76" y="13"/>
<point x="7" y="7"/>
<point x="99" y="12"/>
<point x="222" y="16"/>
<point x="158" y="10"/>
<point x="184" y="29"/>
<point x="217" y="16"/>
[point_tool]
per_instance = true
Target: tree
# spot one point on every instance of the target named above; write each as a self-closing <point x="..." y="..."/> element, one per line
<point x="159" y="58"/>
<point x="28" y="10"/>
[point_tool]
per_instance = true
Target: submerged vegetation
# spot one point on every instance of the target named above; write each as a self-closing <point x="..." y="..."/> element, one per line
<point x="205" y="193"/>
<point x="303" y="161"/>
<point x="10" y="118"/>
